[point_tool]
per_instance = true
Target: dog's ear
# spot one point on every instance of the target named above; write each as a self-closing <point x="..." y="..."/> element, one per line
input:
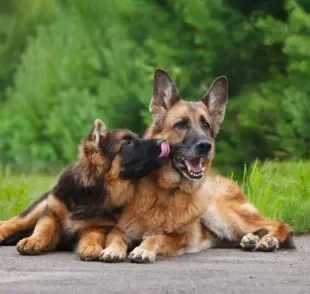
<point x="216" y="99"/>
<point x="98" y="130"/>
<point x="165" y="94"/>
<point x="89" y="148"/>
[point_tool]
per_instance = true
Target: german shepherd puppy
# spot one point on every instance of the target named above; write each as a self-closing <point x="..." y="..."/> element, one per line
<point x="179" y="208"/>
<point x="89" y="194"/>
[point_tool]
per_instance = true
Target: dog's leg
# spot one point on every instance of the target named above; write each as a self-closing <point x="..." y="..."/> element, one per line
<point x="160" y="244"/>
<point x="91" y="243"/>
<point x="116" y="247"/>
<point x="195" y="239"/>
<point x="22" y="222"/>
<point x="276" y="234"/>
<point x="231" y="217"/>
<point x="257" y="232"/>
<point x="47" y="229"/>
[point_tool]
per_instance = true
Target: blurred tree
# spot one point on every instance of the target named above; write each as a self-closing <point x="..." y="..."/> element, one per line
<point x="276" y="113"/>
<point x="77" y="69"/>
<point x="294" y="95"/>
<point x="18" y="20"/>
<point x="97" y="60"/>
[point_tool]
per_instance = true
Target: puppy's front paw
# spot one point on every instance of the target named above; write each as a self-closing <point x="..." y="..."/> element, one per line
<point x="249" y="242"/>
<point x="111" y="254"/>
<point x="268" y="243"/>
<point x="30" y="246"/>
<point x="140" y="255"/>
<point x="89" y="253"/>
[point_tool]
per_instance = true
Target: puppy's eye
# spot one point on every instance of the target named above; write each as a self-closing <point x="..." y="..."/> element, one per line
<point x="204" y="123"/>
<point x="181" y="124"/>
<point x="128" y="140"/>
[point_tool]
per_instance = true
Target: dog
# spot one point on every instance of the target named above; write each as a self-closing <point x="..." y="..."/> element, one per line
<point x="89" y="195"/>
<point x="179" y="208"/>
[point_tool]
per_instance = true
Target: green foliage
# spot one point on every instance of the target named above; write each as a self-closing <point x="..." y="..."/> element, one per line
<point x="281" y="108"/>
<point x="71" y="73"/>
<point x="17" y="191"/>
<point x="281" y="191"/>
<point x="18" y="20"/>
<point x="87" y="61"/>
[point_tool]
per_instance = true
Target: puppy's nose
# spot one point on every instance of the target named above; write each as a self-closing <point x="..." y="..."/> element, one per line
<point x="159" y="141"/>
<point x="203" y="146"/>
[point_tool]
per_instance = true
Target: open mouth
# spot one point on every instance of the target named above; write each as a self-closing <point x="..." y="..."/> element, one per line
<point x="190" y="167"/>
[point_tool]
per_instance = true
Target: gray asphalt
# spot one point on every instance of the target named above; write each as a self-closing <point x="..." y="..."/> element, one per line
<point x="213" y="271"/>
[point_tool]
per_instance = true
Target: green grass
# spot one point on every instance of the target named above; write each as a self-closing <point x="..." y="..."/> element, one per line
<point x="278" y="189"/>
<point x="17" y="191"/>
<point x="281" y="190"/>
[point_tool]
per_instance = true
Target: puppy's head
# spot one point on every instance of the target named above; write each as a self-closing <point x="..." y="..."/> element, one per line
<point x="121" y="153"/>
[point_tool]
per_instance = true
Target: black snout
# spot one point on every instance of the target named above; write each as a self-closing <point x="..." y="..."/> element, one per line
<point x="203" y="146"/>
<point x="158" y="142"/>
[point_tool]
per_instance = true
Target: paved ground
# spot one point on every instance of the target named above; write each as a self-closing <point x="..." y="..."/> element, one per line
<point x="214" y="271"/>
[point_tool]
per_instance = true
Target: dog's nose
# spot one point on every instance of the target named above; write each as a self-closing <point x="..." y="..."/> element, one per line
<point x="203" y="146"/>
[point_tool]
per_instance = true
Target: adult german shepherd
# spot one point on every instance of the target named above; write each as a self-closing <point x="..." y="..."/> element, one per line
<point x="89" y="194"/>
<point x="178" y="208"/>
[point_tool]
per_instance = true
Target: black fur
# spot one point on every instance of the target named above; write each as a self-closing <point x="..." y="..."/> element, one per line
<point x="86" y="201"/>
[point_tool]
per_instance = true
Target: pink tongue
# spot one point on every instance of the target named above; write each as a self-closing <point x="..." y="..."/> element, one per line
<point x="165" y="150"/>
<point x="194" y="165"/>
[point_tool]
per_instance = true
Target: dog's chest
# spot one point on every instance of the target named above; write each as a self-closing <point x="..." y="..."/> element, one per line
<point x="213" y="221"/>
<point x="173" y="213"/>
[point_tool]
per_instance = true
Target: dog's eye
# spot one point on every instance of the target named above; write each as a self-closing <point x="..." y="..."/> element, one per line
<point x="181" y="124"/>
<point x="204" y="123"/>
<point x="128" y="140"/>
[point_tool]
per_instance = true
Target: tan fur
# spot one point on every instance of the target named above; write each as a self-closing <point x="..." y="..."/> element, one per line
<point x="46" y="230"/>
<point x="91" y="243"/>
<point x="230" y="215"/>
<point x="164" y="202"/>
<point x="19" y="223"/>
<point x="177" y="215"/>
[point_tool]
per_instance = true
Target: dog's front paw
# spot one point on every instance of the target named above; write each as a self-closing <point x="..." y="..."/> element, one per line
<point x="89" y="253"/>
<point x="30" y="246"/>
<point x="268" y="243"/>
<point x="249" y="242"/>
<point x="140" y="255"/>
<point x="111" y="254"/>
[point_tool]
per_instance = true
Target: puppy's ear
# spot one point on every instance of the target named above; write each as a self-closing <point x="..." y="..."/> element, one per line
<point x="98" y="130"/>
<point x="89" y="149"/>
<point x="165" y="94"/>
<point x="216" y="99"/>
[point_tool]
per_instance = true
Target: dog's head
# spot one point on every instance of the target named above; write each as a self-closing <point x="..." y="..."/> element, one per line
<point x="121" y="153"/>
<point x="191" y="125"/>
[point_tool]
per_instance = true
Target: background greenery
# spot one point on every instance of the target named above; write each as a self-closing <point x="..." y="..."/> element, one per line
<point x="65" y="63"/>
